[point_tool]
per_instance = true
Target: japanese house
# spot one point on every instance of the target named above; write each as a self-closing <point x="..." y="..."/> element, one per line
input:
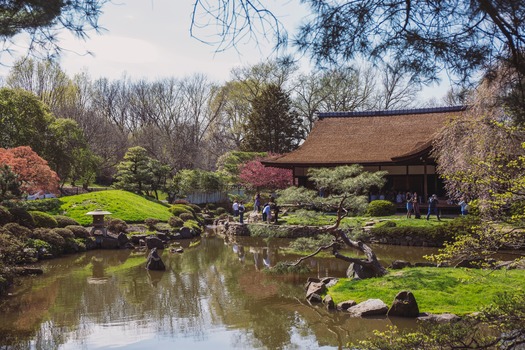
<point x="398" y="141"/>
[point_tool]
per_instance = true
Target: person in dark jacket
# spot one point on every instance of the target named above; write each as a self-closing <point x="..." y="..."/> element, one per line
<point x="432" y="207"/>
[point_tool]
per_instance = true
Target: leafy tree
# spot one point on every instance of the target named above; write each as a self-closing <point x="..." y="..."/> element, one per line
<point x="425" y="37"/>
<point x="45" y="79"/>
<point x="67" y="149"/>
<point x="256" y="176"/>
<point x="43" y="20"/>
<point x="24" y="120"/>
<point x="9" y="186"/>
<point x="229" y="163"/>
<point x="485" y="165"/>
<point x="272" y="126"/>
<point x="346" y="189"/>
<point x="32" y="172"/>
<point x="134" y="172"/>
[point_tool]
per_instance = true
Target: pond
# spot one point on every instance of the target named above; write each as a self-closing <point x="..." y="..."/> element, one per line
<point x="214" y="295"/>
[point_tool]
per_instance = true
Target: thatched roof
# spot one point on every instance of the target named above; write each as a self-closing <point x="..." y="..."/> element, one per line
<point x="379" y="137"/>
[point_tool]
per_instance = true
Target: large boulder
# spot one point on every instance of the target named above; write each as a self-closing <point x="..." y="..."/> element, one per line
<point x="345" y="305"/>
<point x="186" y="233"/>
<point x="400" y="264"/>
<point x="329" y="302"/>
<point x="357" y="271"/>
<point x="122" y="239"/>
<point x="154" y="261"/>
<point x="441" y="318"/>
<point x="371" y="307"/>
<point x="315" y="287"/>
<point x="154" y="242"/>
<point x="404" y="305"/>
<point x="108" y="242"/>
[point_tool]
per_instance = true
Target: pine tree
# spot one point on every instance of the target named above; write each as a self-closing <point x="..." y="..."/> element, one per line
<point x="272" y="125"/>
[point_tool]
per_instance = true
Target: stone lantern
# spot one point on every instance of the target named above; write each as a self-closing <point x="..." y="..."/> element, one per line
<point x="98" y="221"/>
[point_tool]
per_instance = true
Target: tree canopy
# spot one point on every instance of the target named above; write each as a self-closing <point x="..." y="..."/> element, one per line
<point x="42" y="20"/>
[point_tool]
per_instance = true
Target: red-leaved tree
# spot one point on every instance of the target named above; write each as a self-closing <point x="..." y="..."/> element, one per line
<point x="34" y="174"/>
<point x="255" y="175"/>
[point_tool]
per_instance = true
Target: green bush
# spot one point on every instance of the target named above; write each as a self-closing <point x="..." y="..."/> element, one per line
<point x="18" y="230"/>
<point x="51" y="205"/>
<point x="11" y="249"/>
<point x="150" y="223"/>
<point x="194" y="225"/>
<point x="64" y="232"/>
<point x="211" y="206"/>
<point x="56" y="241"/>
<point x="175" y="221"/>
<point x="5" y="216"/>
<point x="63" y="221"/>
<point x="195" y="207"/>
<point x="42" y="219"/>
<point x="181" y="201"/>
<point x="117" y="225"/>
<point x="40" y="245"/>
<point x="220" y="210"/>
<point x="21" y="216"/>
<point x="178" y="209"/>
<point x="381" y="208"/>
<point x="78" y="231"/>
<point x="186" y="216"/>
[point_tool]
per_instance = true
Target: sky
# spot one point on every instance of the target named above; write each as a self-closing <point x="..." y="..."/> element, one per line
<point x="150" y="39"/>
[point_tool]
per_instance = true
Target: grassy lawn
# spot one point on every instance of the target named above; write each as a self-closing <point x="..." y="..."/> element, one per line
<point x="319" y="219"/>
<point x="123" y="205"/>
<point x="437" y="290"/>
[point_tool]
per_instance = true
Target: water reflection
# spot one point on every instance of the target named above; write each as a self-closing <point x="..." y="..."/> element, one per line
<point x="213" y="295"/>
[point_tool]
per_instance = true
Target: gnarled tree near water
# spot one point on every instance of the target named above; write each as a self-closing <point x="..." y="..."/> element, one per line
<point x="345" y="190"/>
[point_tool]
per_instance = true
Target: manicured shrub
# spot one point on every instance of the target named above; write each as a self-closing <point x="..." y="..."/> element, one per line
<point x="56" y="241"/>
<point x="78" y="231"/>
<point x="72" y="245"/>
<point x="5" y="216"/>
<point x="22" y="217"/>
<point x="178" y="209"/>
<point x="117" y="225"/>
<point x="151" y="222"/>
<point x="220" y="211"/>
<point x="186" y="216"/>
<point x="64" y="232"/>
<point x="11" y="249"/>
<point x="50" y="205"/>
<point x="42" y="219"/>
<point x="195" y="207"/>
<point x="194" y="225"/>
<point x="211" y="206"/>
<point x="42" y="247"/>
<point x="18" y="230"/>
<point x="181" y="201"/>
<point x="175" y="221"/>
<point x="381" y="208"/>
<point x="63" y="221"/>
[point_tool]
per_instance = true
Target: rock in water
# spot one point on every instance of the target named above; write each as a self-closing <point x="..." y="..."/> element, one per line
<point x="154" y="261"/>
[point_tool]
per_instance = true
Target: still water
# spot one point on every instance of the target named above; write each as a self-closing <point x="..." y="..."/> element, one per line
<point x="215" y="295"/>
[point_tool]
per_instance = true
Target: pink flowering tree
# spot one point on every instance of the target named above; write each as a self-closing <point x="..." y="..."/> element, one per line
<point x="256" y="176"/>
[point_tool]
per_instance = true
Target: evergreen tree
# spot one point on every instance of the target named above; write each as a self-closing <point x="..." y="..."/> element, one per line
<point x="134" y="172"/>
<point x="272" y="126"/>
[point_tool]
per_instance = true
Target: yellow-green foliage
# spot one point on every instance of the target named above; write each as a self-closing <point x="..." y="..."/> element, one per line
<point x="177" y="209"/>
<point x="437" y="290"/>
<point x="123" y="205"/>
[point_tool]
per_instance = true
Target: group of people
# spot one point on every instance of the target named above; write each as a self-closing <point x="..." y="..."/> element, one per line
<point x="270" y="210"/>
<point x="413" y="206"/>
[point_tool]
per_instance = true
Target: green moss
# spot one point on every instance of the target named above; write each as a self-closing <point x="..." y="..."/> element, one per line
<point x="437" y="290"/>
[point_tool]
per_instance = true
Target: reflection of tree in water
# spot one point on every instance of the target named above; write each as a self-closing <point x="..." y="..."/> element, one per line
<point x="205" y="287"/>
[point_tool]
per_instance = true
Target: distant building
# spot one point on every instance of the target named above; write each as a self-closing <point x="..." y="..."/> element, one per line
<point x="398" y="141"/>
